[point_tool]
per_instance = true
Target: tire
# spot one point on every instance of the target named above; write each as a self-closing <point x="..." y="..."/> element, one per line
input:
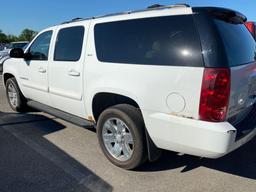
<point x="20" y="104"/>
<point x="134" y="126"/>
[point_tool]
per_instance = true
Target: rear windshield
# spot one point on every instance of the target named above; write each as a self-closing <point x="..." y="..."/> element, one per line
<point x="169" y="40"/>
<point x="239" y="44"/>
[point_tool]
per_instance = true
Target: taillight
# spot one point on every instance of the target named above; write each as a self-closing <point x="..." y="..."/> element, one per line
<point x="215" y="93"/>
<point x="250" y="27"/>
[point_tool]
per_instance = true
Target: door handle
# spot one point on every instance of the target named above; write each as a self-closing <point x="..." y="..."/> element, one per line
<point x="41" y="70"/>
<point x="73" y="73"/>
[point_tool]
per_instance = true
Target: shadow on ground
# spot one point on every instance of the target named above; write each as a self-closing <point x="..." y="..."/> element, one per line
<point x="29" y="162"/>
<point x="241" y="162"/>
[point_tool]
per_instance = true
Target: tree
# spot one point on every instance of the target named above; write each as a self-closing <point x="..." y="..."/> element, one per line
<point x="3" y="37"/>
<point x="27" y="35"/>
<point x="12" y="38"/>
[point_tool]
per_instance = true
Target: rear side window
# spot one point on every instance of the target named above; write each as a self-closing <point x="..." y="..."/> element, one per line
<point x="69" y="44"/>
<point x="239" y="44"/>
<point x="170" y="40"/>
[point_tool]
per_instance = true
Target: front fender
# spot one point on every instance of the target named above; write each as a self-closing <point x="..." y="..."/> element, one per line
<point x="9" y="68"/>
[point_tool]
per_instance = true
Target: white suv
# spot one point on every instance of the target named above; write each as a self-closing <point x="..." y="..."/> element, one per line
<point x="168" y="77"/>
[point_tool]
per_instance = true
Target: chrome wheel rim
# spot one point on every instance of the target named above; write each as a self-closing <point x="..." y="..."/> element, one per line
<point x="12" y="95"/>
<point x="118" y="139"/>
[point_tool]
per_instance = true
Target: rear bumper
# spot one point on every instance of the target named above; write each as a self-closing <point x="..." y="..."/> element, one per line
<point x="194" y="137"/>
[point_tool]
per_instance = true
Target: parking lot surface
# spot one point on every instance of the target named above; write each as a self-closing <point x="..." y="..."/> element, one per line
<point x="39" y="152"/>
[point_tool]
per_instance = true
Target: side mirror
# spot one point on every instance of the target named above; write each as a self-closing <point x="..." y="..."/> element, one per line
<point x="17" y="53"/>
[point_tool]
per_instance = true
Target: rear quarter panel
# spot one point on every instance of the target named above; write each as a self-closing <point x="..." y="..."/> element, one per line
<point x="148" y="85"/>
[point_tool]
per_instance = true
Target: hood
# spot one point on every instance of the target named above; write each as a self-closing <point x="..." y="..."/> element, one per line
<point x="4" y="53"/>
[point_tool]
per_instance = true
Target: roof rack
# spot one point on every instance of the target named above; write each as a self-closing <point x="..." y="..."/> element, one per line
<point x="150" y="8"/>
<point x="73" y="20"/>
<point x="157" y="6"/>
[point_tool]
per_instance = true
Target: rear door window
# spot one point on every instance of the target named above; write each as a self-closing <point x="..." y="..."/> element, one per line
<point x="168" y="40"/>
<point x="69" y="44"/>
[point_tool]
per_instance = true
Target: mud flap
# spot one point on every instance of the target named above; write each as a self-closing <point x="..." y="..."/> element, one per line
<point x="154" y="153"/>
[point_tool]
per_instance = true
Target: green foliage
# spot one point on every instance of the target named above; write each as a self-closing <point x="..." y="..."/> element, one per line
<point x="26" y="35"/>
<point x="12" y="38"/>
<point x="3" y="37"/>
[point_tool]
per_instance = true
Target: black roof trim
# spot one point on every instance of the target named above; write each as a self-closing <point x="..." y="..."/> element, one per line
<point x="158" y="6"/>
<point x="222" y="13"/>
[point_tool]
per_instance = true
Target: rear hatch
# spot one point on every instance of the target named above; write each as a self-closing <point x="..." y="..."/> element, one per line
<point x="240" y="49"/>
<point x="233" y="47"/>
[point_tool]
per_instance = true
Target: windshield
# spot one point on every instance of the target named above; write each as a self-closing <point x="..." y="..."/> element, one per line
<point x="16" y="45"/>
<point x="25" y="47"/>
<point x="1" y="47"/>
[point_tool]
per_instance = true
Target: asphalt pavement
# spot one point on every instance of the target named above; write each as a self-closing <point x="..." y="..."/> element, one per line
<point x="41" y="153"/>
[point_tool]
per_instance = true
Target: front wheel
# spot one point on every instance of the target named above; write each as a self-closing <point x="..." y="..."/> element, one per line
<point x="121" y="136"/>
<point x="15" y="98"/>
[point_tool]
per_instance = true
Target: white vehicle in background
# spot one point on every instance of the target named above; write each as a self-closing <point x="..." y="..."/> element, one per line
<point x="2" y="46"/>
<point x="9" y="47"/>
<point x="4" y="54"/>
<point x="176" y="77"/>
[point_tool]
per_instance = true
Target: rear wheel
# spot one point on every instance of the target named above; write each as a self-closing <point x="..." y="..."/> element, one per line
<point x="121" y="135"/>
<point x="15" y="98"/>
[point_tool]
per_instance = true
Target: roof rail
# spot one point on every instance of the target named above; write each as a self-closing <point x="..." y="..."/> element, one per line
<point x="150" y="8"/>
<point x="158" y="6"/>
<point x="73" y="20"/>
<point x="154" y="6"/>
<point x="182" y="5"/>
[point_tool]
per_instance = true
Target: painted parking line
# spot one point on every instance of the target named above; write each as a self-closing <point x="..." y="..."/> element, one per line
<point x="32" y="137"/>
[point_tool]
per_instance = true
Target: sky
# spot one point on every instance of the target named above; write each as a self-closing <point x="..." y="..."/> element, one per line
<point x="15" y="15"/>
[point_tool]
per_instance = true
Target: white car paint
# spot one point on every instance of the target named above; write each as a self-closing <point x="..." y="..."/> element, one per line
<point x="4" y="54"/>
<point x="176" y="127"/>
<point x="66" y="91"/>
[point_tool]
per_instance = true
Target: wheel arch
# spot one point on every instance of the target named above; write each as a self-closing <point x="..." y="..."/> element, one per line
<point x="104" y="100"/>
<point x="111" y="99"/>
<point x="7" y="76"/>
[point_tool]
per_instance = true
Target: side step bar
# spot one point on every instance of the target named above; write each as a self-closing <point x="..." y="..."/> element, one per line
<point x="61" y="114"/>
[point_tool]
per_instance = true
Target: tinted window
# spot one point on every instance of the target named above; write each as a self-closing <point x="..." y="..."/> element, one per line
<point x="239" y="44"/>
<point x="168" y="40"/>
<point x="254" y="32"/>
<point x="39" y="50"/>
<point x="16" y="45"/>
<point x="69" y="44"/>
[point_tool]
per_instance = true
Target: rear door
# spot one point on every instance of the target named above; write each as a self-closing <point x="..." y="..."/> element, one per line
<point x="66" y="70"/>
